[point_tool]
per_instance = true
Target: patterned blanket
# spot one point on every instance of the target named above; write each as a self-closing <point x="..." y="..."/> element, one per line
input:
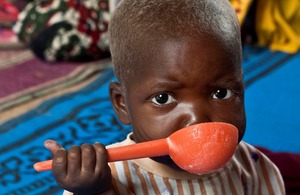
<point x="76" y="118"/>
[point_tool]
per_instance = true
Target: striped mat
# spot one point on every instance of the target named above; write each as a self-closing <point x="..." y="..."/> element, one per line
<point x="23" y="77"/>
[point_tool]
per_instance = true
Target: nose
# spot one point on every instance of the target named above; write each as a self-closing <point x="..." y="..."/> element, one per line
<point x="194" y="113"/>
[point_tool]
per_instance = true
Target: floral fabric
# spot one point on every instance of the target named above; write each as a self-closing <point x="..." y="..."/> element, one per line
<point x="65" y="29"/>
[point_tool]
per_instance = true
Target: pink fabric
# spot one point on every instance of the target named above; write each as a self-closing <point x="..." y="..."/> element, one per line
<point x="31" y="73"/>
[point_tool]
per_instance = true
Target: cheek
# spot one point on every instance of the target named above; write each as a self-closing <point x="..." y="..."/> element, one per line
<point x="150" y="125"/>
<point x="237" y="118"/>
<point x="230" y="112"/>
<point x="242" y="124"/>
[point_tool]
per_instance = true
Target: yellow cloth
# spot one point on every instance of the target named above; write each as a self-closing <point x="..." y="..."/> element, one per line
<point x="241" y="8"/>
<point x="278" y="24"/>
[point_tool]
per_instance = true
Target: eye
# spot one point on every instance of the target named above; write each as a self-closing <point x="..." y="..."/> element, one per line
<point x="222" y="93"/>
<point x="163" y="98"/>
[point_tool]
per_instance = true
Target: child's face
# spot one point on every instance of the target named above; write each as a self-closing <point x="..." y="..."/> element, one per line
<point x="184" y="83"/>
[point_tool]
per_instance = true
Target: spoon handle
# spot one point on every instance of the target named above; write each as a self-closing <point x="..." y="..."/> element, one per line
<point x="140" y="150"/>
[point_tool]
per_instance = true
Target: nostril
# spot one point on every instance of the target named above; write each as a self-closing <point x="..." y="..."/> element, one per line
<point x="194" y="112"/>
<point x="192" y="119"/>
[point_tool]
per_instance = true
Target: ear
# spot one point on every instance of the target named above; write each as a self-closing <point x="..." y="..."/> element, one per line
<point x="118" y="102"/>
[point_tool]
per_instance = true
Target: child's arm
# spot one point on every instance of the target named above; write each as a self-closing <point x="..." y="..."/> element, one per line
<point x="81" y="170"/>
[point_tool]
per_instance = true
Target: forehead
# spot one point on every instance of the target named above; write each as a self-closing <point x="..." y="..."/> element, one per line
<point x="180" y="57"/>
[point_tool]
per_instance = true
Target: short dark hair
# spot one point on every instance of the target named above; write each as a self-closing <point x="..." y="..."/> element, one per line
<point x="136" y="23"/>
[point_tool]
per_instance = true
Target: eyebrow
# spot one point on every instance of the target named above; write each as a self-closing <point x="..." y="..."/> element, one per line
<point x="164" y="85"/>
<point x="235" y="81"/>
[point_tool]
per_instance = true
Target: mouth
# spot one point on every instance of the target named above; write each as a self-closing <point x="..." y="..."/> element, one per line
<point x="167" y="160"/>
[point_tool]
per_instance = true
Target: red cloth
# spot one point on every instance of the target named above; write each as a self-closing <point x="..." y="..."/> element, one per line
<point x="289" y="166"/>
<point x="8" y="12"/>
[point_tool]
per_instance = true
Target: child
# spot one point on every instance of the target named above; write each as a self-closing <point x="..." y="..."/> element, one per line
<point x="178" y="63"/>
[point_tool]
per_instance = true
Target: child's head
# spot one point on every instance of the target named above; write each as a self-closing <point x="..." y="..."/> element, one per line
<point x="178" y="62"/>
<point x="138" y="27"/>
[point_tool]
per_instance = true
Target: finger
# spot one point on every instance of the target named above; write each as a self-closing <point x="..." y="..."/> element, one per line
<point x="88" y="158"/>
<point x="52" y="146"/>
<point x="59" y="164"/>
<point x="101" y="157"/>
<point x="74" y="161"/>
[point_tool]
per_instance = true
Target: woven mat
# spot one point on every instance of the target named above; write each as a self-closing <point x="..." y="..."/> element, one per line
<point x="84" y="116"/>
<point x="24" y="78"/>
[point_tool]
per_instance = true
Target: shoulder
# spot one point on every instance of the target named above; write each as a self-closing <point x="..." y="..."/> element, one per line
<point x="125" y="142"/>
<point x="248" y="157"/>
<point x="255" y="167"/>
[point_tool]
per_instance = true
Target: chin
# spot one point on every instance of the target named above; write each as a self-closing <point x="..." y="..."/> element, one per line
<point x="166" y="160"/>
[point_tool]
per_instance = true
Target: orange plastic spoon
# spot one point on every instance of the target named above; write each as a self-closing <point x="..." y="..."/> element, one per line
<point x="198" y="149"/>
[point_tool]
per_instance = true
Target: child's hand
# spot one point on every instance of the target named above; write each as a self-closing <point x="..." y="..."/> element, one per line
<point x="81" y="170"/>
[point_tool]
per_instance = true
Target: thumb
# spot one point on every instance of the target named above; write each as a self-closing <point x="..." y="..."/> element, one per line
<point x="52" y="146"/>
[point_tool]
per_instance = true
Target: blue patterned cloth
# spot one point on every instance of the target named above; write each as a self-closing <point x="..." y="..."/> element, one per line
<point x="272" y="99"/>
<point x="85" y="116"/>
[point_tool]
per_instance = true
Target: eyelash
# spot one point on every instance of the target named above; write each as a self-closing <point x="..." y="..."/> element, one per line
<point x="155" y="99"/>
<point x="228" y="95"/>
